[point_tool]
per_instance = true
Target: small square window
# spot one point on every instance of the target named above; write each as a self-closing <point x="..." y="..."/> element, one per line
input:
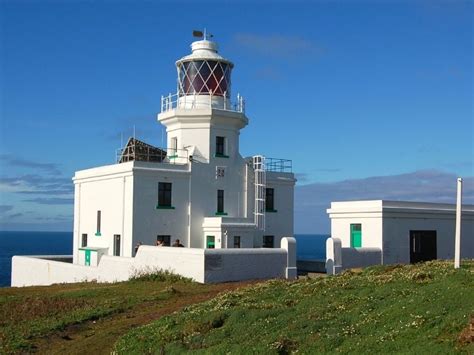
<point x="268" y="241"/>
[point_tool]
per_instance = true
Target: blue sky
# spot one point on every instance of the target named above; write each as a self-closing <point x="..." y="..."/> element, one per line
<point x="348" y="90"/>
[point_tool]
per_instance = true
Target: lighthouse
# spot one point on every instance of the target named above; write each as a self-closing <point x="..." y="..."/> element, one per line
<point x="198" y="191"/>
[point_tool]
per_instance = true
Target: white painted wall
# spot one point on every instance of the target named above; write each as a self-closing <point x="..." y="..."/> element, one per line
<point x="280" y="223"/>
<point x="107" y="189"/>
<point x="339" y="258"/>
<point x="386" y="225"/>
<point x="202" y="265"/>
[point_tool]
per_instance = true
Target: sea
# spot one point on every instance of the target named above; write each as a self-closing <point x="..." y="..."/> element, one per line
<point x="308" y="247"/>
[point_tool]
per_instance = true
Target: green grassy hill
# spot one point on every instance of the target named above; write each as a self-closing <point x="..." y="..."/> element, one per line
<point x="418" y="309"/>
<point x="422" y="308"/>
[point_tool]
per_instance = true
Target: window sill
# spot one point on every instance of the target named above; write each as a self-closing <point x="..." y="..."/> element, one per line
<point x="221" y="213"/>
<point x="98" y="234"/>
<point x="271" y="211"/>
<point x="221" y="156"/>
<point x="158" y="207"/>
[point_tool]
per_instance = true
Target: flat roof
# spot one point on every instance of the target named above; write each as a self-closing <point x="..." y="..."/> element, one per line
<point x="387" y="205"/>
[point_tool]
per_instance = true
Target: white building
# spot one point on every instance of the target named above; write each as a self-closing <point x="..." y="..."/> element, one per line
<point x="199" y="190"/>
<point x="388" y="232"/>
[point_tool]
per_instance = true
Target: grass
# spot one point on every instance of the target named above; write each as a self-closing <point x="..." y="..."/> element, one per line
<point x="38" y="318"/>
<point x="398" y="309"/>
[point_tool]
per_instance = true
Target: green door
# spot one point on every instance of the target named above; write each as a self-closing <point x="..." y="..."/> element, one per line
<point x="210" y="242"/>
<point x="88" y="257"/>
<point x="356" y="235"/>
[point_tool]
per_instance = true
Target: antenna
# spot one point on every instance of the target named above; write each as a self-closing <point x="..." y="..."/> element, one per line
<point x="134" y="132"/>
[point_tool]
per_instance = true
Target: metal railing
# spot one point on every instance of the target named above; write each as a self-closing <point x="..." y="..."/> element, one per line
<point x="190" y="102"/>
<point x="154" y="155"/>
<point x="279" y="165"/>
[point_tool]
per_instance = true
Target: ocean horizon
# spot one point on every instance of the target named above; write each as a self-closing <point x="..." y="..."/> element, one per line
<point x="309" y="247"/>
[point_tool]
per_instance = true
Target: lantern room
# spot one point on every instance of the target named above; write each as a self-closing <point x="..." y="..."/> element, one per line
<point x="204" y="76"/>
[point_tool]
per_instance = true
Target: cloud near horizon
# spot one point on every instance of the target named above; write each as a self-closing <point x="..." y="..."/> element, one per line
<point x="312" y="200"/>
<point x="11" y="160"/>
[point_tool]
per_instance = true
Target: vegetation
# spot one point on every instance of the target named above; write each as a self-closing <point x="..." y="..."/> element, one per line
<point x="78" y="316"/>
<point x="424" y="308"/>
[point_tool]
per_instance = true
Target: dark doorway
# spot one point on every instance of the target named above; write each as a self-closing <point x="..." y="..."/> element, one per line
<point x="422" y="246"/>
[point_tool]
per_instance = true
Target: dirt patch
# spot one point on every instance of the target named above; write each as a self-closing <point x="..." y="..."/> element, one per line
<point x="467" y="335"/>
<point x="99" y="336"/>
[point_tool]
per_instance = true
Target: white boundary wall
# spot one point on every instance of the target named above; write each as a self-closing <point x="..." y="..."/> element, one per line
<point x="202" y="265"/>
<point x="339" y="258"/>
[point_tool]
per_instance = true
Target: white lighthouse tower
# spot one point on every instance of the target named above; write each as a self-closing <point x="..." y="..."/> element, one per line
<point x="198" y="189"/>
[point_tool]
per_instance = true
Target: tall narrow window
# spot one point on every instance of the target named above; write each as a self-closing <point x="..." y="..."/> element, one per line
<point x="220" y="201"/>
<point x="116" y="244"/>
<point x="174" y="147"/>
<point x="356" y="235"/>
<point x="84" y="240"/>
<point x="164" y="194"/>
<point x="236" y="242"/>
<point x="270" y="200"/>
<point x="220" y="146"/>
<point x="98" y="223"/>
<point x="268" y="241"/>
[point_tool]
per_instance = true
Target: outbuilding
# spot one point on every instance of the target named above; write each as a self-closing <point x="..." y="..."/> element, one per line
<point x="404" y="232"/>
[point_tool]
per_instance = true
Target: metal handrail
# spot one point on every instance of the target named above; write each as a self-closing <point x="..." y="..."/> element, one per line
<point x="279" y="165"/>
<point x="173" y="101"/>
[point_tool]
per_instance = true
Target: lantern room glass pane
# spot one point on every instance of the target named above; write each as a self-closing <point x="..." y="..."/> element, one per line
<point x="203" y="76"/>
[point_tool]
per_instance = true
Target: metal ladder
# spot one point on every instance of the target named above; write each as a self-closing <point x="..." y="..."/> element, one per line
<point x="260" y="186"/>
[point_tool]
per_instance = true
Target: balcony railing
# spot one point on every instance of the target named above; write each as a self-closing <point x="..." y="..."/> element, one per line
<point x="279" y="165"/>
<point x="189" y="102"/>
<point x="153" y="155"/>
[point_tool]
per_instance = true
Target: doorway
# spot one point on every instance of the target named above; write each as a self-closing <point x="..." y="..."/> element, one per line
<point x="210" y="242"/>
<point x="422" y="246"/>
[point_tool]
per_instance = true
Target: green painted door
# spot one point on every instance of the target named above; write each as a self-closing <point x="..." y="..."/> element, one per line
<point x="88" y="257"/>
<point x="210" y="242"/>
<point x="356" y="235"/>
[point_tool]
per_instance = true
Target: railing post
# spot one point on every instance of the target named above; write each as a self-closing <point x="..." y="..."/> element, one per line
<point x="225" y="100"/>
<point x="162" y="99"/>
<point x="169" y="102"/>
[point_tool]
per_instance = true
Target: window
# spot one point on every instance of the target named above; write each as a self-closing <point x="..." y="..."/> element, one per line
<point x="268" y="241"/>
<point x="174" y="147"/>
<point x="220" y="201"/>
<point x="210" y="242"/>
<point x="164" y="194"/>
<point x="220" y="147"/>
<point x="356" y="235"/>
<point x="98" y="223"/>
<point x="270" y="200"/>
<point x="84" y="240"/>
<point x="236" y="242"/>
<point x="165" y="239"/>
<point x="116" y="244"/>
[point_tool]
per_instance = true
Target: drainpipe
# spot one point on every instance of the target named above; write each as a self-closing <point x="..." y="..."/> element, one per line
<point x="189" y="199"/>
